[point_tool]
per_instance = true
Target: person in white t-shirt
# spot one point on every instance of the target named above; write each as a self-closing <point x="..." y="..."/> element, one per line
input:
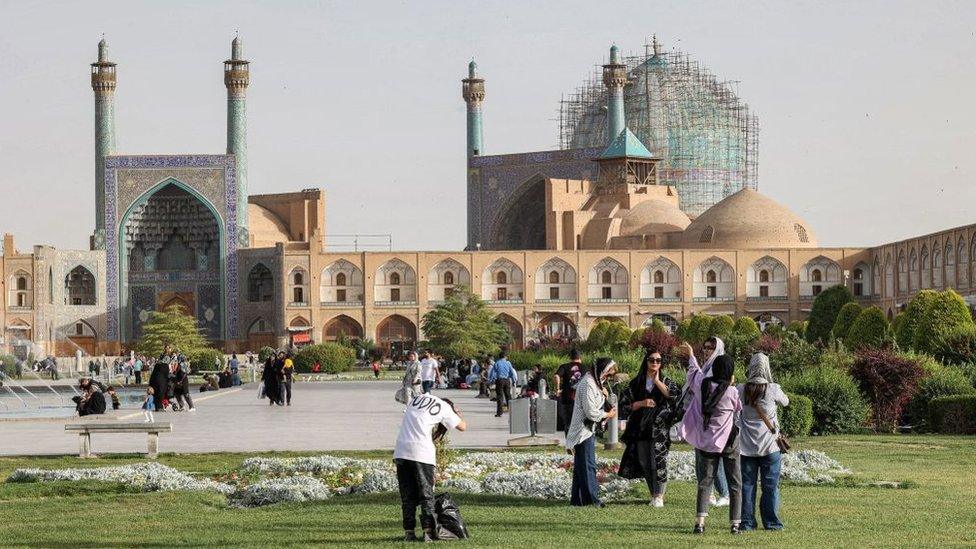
<point x="430" y="372"/>
<point x="426" y="419"/>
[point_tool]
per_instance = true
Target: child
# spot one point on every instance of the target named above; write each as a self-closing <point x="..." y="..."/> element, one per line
<point x="115" y="397"/>
<point x="149" y="405"/>
<point x="376" y="369"/>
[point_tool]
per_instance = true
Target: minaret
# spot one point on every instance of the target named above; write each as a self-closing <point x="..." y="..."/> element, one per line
<point x="473" y="92"/>
<point x="237" y="76"/>
<point x="103" y="83"/>
<point x="614" y="78"/>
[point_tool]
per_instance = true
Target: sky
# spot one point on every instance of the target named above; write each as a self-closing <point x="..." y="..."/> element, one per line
<point x="867" y="110"/>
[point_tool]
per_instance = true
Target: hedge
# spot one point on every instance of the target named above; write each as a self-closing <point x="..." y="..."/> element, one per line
<point x="721" y="326"/>
<point x="824" y="312"/>
<point x="953" y="414"/>
<point x="958" y="346"/>
<point x="845" y="319"/>
<point x="746" y="327"/>
<point x="838" y="406"/>
<point x="333" y="357"/>
<point x="869" y="330"/>
<point x="910" y="318"/>
<point x="205" y="359"/>
<point x="940" y="381"/>
<point x="796" y="420"/>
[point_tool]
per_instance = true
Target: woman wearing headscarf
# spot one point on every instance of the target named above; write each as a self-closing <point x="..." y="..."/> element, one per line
<point x="761" y="455"/>
<point x="709" y="426"/>
<point x="650" y="397"/>
<point x="712" y="348"/>
<point x="588" y="411"/>
<point x="159" y="381"/>
<point x="411" y="378"/>
<point x="272" y="389"/>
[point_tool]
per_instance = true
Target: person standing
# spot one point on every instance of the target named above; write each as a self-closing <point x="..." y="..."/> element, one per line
<point x="149" y="405"/>
<point x="761" y="455"/>
<point x="503" y="375"/>
<point x="713" y="348"/>
<point x="137" y="370"/>
<point x="287" y="377"/>
<point x="411" y="378"/>
<point x="181" y="388"/>
<point x="416" y="456"/>
<point x="588" y="411"/>
<point x="709" y="426"/>
<point x="430" y="372"/>
<point x="159" y="380"/>
<point x="651" y="398"/>
<point x="566" y="378"/>
<point x="376" y="368"/>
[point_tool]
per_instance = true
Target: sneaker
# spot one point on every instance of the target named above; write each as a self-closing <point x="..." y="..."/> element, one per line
<point x="722" y="502"/>
<point x="711" y="500"/>
<point x="699" y="529"/>
<point x="657" y="502"/>
<point x="409" y="535"/>
<point x="734" y="530"/>
<point x="193" y="409"/>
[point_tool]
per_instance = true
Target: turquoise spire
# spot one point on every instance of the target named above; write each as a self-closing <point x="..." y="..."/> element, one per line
<point x="473" y="92"/>
<point x="614" y="78"/>
<point x="103" y="82"/>
<point x="626" y="145"/>
<point x="237" y="76"/>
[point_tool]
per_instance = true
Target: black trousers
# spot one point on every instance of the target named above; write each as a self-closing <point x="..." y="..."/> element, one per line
<point x="566" y="409"/>
<point x="138" y="377"/>
<point x="503" y="394"/>
<point x="416" y="482"/>
<point x="286" y="389"/>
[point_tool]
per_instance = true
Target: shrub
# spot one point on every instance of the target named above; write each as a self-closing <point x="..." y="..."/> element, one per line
<point x="8" y="364"/>
<point x="205" y="359"/>
<point x="698" y="329"/>
<point x="889" y="380"/>
<point x="958" y="346"/>
<point x="944" y="313"/>
<point x="746" y="327"/>
<point x="845" y="319"/>
<point x="939" y="381"/>
<point x="908" y="325"/>
<point x="598" y="334"/>
<point x="796" y="419"/>
<point x="333" y="357"/>
<point x="636" y="336"/>
<point x="837" y="356"/>
<point x="824" y="312"/>
<point x="721" y="326"/>
<point x="953" y="414"/>
<point x="869" y="330"/>
<point x="798" y="327"/>
<point x="683" y="330"/>
<point x="838" y="406"/>
<point x="767" y="344"/>
<point x="265" y="352"/>
<point x="794" y="354"/>
<point x="660" y="341"/>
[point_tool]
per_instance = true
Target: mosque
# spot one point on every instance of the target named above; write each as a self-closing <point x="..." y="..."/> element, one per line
<point x="648" y="210"/>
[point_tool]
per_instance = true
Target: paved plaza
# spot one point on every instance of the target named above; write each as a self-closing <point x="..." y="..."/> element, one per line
<point x="323" y="416"/>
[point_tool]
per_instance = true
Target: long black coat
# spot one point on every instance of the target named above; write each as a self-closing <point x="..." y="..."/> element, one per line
<point x="159" y="381"/>
<point x="272" y="378"/>
<point x="648" y="424"/>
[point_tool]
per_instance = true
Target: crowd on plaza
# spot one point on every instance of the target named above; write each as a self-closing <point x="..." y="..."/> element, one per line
<point x="733" y="429"/>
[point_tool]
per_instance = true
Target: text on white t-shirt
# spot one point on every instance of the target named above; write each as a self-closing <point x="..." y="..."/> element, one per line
<point x="423" y="413"/>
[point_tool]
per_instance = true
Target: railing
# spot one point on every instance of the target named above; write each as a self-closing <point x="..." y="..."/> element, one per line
<point x="347" y="303"/>
<point x="395" y="303"/>
<point x="767" y="298"/>
<point x="608" y="300"/>
<point x="298" y="303"/>
<point x="20" y="308"/>
<point x="659" y="299"/>
<point x="557" y="300"/>
<point x="712" y="299"/>
<point x="503" y="301"/>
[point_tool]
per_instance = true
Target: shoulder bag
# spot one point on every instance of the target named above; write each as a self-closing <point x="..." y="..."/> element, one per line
<point x="781" y="440"/>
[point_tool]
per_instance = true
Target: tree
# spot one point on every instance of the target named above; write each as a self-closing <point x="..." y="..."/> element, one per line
<point x="908" y="324"/>
<point x="868" y="331"/>
<point x="845" y="319"/>
<point x="698" y="329"/>
<point x="463" y="327"/>
<point x="170" y="327"/>
<point x="746" y="328"/>
<point x="721" y="326"/>
<point x="944" y="313"/>
<point x="824" y="312"/>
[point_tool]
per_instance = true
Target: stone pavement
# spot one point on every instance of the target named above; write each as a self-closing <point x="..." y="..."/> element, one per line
<point x="323" y="416"/>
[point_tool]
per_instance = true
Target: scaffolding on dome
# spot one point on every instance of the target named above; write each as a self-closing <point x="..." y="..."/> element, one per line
<point x="706" y="136"/>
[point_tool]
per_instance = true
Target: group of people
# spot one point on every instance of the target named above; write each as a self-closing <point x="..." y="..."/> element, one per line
<point x="733" y="429"/>
<point x="277" y="378"/>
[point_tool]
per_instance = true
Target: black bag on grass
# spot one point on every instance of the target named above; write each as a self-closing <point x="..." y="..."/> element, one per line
<point x="450" y="525"/>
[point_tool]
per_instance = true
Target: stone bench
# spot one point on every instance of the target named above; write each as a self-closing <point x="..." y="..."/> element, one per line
<point x="86" y="429"/>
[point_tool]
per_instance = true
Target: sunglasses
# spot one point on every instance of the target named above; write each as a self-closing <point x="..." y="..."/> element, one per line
<point x="655" y="360"/>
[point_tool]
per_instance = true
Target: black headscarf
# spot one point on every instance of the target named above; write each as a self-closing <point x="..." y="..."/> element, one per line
<point x="722" y="377"/>
<point x="599" y="365"/>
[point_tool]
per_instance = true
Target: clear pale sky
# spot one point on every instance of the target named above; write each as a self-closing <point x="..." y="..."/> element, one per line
<point x="867" y="109"/>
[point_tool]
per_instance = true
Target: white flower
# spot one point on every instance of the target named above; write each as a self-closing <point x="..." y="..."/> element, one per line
<point x="147" y="476"/>
<point x="277" y="490"/>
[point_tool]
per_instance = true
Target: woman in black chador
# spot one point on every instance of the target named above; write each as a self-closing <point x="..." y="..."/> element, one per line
<point x="270" y="377"/>
<point x="159" y="381"/>
<point x="651" y="399"/>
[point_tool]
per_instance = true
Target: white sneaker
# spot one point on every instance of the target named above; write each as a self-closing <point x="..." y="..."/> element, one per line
<point x="722" y="502"/>
<point x="193" y="409"/>
<point x="711" y="500"/>
<point x="657" y="502"/>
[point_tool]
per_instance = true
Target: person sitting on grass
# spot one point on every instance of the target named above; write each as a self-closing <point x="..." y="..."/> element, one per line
<point x="425" y="421"/>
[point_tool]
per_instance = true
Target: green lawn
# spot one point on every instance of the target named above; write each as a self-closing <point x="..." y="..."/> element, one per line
<point x="938" y="508"/>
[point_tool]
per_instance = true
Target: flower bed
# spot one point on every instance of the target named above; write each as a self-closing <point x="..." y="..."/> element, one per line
<point x="264" y="481"/>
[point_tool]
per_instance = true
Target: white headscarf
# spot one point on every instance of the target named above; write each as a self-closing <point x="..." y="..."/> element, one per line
<point x="759" y="371"/>
<point x="719" y="351"/>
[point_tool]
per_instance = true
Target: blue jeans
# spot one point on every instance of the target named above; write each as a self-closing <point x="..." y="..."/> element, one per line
<point x="765" y="470"/>
<point x="585" y="490"/>
<point x="426" y="386"/>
